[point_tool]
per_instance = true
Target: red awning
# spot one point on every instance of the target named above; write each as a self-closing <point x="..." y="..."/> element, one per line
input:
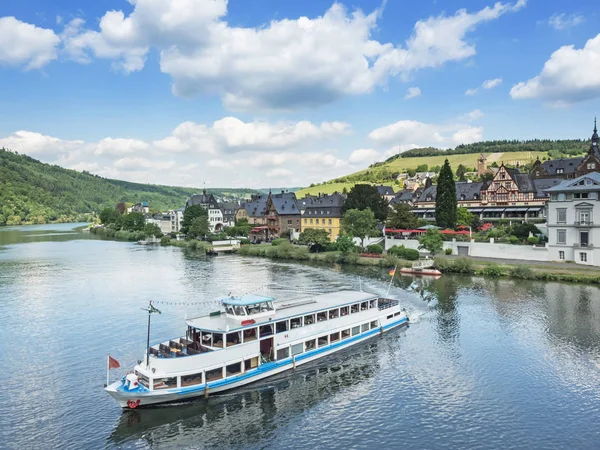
<point x="257" y="229"/>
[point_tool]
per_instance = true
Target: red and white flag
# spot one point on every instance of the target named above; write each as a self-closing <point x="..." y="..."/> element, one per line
<point x="113" y="363"/>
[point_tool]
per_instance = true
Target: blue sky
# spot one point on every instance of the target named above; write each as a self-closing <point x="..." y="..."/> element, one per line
<point x="273" y="92"/>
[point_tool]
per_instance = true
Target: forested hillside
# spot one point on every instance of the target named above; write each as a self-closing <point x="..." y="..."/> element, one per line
<point x="34" y="192"/>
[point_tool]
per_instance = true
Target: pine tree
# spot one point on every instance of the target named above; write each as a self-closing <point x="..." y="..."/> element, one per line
<point x="445" y="200"/>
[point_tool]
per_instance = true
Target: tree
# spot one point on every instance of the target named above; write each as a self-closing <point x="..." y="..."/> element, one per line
<point x="422" y="168"/>
<point x="401" y="217"/>
<point x="445" y="199"/>
<point x="189" y="214"/>
<point x="134" y="221"/>
<point x="241" y="228"/>
<point x="108" y="215"/>
<point x="359" y="223"/>
<point x="315" y="238"/>
<point x="460" y="172"/>
<point x="345" y="243"/>
<point x="363" y="196"/>
<point x="198" y="228"/>
<point x="464" y="217"/>
<point x="151" y="229"/>
<point x="431" y="241"/>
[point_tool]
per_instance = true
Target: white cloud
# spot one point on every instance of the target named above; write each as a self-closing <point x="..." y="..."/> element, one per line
<point x="118" y="147"/>
<point x="37" y="144"/>
<point x="286" y="64"/>
<point x="564" y="21"/>
<point x="279" y="173"/>
<point x="569" y="76"/>
<point x="487" y="84"/>
<point x="23" y="44"/>
<point x="476" y="114"/>
<point x="406" y="134"/>
<point x="412" y="92"/>
<point x="364" y="156"/>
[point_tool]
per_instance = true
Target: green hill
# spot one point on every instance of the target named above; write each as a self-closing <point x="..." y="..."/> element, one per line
<point x="508" y="152"/>
<point x="34" y="192"/>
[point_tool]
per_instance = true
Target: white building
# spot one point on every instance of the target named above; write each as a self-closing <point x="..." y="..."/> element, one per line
<point x="574" y="220"/>
<point x="176" y="219"/>
<point x="208" y="202"/>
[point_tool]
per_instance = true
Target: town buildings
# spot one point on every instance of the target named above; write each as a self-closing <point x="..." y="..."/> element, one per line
<point x="574" y="220"/>
<point x="325" y="213"/>
<point x="208" y="202"/>
<point x="229" y="210"/>
<point x="273" y="215"/>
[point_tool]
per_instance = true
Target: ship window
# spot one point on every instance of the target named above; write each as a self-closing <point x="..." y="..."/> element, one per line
<point x="346" y="334"/>
<point x="229" y="310"/>
<point x="310" y="345"/>
<point x="233" y="369"/>
<point x="364" y="306"/>
<point x="143" y="380"/>
<point x="240" y="311"/>
<point x="390" y="316"/>
<point x="251" y="363"/>
<point x="207" y="338"/>
<point x="355" y="331"/>
<point x="281" y="326"/>
<point x="334" y="313"/>
<point x="344" y="311"/>
<point x="266" y="306"/>
<point x="214" y="374"/>
<point x="190" y="380"/>
<point x="309" y="320"/>
<point x="296" y="322"/>
<point x="323" y="340"/>
<point x="283" y="353"/>
<point x="165" y="383"/>
<point x="365" y="327"/>
<point x="374" y="323"/>
<point x="373" y="304"/>
<point x="354" y="309"/>
<point x="397" y="314"/>
<point x="233" y="338"/>
<point x="217" y="340"/>
<point x="334" y="337"/>
<point x="297" y="349"/>
<point x="321" y="316"/>
<point x="266" y="330"/>
<point x="250" y="334"/>
<point x="253" y="309"/>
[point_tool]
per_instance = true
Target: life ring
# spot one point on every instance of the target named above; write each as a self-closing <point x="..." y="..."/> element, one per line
<point x="132" y="404"/>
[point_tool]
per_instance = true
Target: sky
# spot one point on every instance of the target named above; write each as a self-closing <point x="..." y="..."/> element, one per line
<point x="272" y="93"/>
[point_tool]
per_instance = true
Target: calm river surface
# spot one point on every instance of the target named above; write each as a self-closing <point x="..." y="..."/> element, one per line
<point x="485" y="363"/>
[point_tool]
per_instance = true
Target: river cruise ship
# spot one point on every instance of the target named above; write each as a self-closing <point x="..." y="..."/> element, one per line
<point x="251" y="338"/>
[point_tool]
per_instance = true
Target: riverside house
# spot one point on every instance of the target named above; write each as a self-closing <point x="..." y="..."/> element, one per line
<point x="273" y="215"/>
<point x="208" y="202"/>
<point x="325" y="213"/>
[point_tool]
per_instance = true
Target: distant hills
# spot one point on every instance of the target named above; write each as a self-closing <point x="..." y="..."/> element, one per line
<point x="35" y="192"/>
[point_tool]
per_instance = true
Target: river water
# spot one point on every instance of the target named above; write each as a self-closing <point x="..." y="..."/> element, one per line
<point x="484" y="363"/>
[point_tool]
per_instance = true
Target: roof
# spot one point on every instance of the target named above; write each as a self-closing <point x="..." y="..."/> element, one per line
<point x="256" y="207"/>
<point x="285" y="203"/>
<point x="385" y="190"/>
<point x="203" y="199"/>
<point x="524" y="182"/>
<point x="327" y="205"/>
<point x="283" y="310"/>
<point x="578" y="184"/>
<point x="567" y="165"/>
<point x="463" y="188"/>
<point x="542" y="184"/>
<point x="248" y="299"/>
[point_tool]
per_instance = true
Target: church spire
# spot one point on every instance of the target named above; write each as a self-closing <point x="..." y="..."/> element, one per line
<point x="595" y="137"/>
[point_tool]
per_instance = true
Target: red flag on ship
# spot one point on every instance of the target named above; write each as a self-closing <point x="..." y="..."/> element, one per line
<point x="113" y="363"/>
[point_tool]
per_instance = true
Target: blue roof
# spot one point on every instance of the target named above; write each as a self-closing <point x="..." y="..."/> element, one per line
<point x="248" y="299"/>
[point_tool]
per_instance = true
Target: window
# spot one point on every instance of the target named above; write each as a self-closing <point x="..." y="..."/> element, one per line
<point x="355" y="331"/>
<point x="583" y="257"/>
<point x="266" y="330"/>
<point x="233" y="369"/>
<point x="191" y="380"/>
<point x="217" y="340"/>
<point x="561" y="197"/>
<point x="346" y="333"/>
<point x="207" y="338"/>
<point x="365" y="327"/>
<point x="283" y="353"/>
<point x="321" y="316"/>
<point x="364" y="306"/>
<point x="297" y="349"/>
<point x="374" y="323"/>
<point x="309" y="320"/>
<point x="165" y="383"/>
<point x="591" y="165"/>
<point x="311" y="221"/>
<point x="305" y="221"/>
<point x="240" y="310"/>
<point x="562" y="215"/>
<point x="214" y="374"/>
<point x="561" y="236"/>
<point x="329" y="221"/>
<point x="334" y="313"/>
<point x="561" y="255"/>
<point x="317" y="221"/>
<point x="310" y="345"/>
<point x="296" y="322"/>
<point x="251" y="363"/>
<point x="373" y="304"/>
<point x="584" y="238"/>
<point x="560" y="171"/>
<point x="250" y="335"/>
<point x="233" y="338"/>
<point x="334" y="337"/>
<point x="344" y="311"/>
<point x="584" y="216"/>
<point x="354" y="309"/>
<point x="323" y="340"/>
<point x="281" y="326"/>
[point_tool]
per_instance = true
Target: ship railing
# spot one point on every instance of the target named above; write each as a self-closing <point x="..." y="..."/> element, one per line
<point x="176" y="348"/>
<point x="385" y="303"/>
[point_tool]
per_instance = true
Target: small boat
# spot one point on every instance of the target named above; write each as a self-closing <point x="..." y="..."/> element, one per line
<point x="252" y="337"/>
<point x="422" y="267"/>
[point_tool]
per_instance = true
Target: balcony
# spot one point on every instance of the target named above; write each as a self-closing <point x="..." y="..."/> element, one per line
<point x="584" y="223"/>
<point x="578" y="245"/>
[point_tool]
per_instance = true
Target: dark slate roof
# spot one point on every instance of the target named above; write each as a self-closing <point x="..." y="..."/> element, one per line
<point x="385" y="190"/>
<point x="285" y="203"/>
<point x="469" y="190"/>
<point x="542" y="184"/>
<point x="431" y="190"/>
<point x="256" y="207"/>
<point x="574" y="186"/>
<point x="524" y="182"/>
<point x="229" y="207"/>
<point x="406" y="195"/>
<point x="326" y="206"/>
<point x="569" y="165"/>
<point x="203" y="199"/>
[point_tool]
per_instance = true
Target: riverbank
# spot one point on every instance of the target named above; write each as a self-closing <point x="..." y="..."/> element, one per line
<point x="524" y="270"/>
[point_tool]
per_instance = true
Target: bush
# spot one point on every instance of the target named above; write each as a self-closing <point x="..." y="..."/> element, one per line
<point x="278" y="241"/>
<point x="514" y="240"/>
<point x="448" y="251"/>
<point x="462" y="265"/>
<point x="532" y="240"/>
<point x="348" y="258"/>
<point x="390" y="261"/>
<point x="404" y="253"/>
<point x="441" y="264"/>
<point x="331" y="257"/>
<point x="374" y="248"/>
<point x="165" y="240"/>
<point x="494" y="270"/>
<point x="523" y="272"/>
